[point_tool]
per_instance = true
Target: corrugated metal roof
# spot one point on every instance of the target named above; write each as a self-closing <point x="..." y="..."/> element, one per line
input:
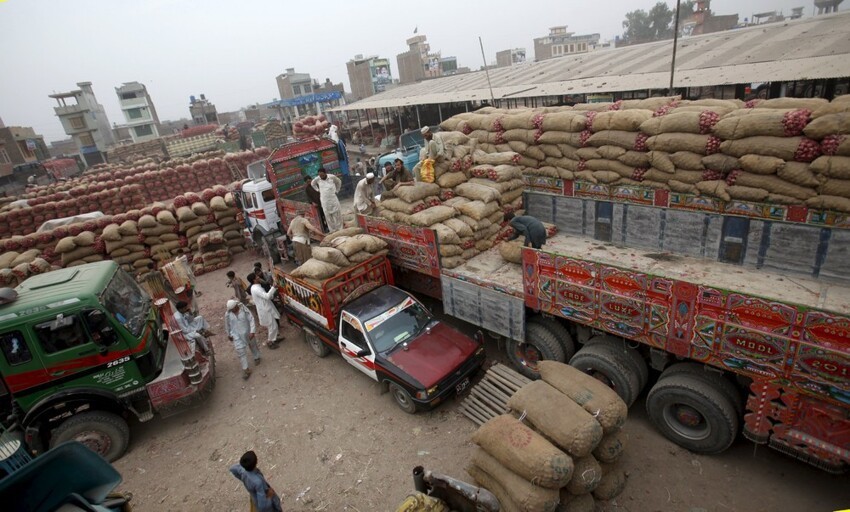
<point x="810" y="48"/>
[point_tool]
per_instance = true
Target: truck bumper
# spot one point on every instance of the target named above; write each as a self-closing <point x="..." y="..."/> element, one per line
<point x="182" y="383"/>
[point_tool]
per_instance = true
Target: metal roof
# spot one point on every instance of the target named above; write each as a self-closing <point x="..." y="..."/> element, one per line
<point x="809" y="48"/>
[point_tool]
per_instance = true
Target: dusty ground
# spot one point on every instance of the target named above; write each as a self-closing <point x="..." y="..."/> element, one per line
<point x="327" y="440"/>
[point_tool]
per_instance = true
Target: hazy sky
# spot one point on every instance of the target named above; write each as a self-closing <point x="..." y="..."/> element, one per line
<point x="232" y="51"/>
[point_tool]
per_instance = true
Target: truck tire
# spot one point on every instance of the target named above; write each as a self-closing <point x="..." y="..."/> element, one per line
<point x="540" y="344"/>
<point x="270" y="248"/>
<point x="692" y="413"/>
<point x="611" y="366"/>
<point x="102" y="432"/>
<point x="637" y="364"/>
<point x="560" y="332"/>
<point x="713" y="379"/>
<point x="316" y="344"/>
<point x="402" y="398"/>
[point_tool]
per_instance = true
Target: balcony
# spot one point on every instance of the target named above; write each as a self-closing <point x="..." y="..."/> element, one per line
<point x="70" y="110"/>
<point x="133" y="103"/>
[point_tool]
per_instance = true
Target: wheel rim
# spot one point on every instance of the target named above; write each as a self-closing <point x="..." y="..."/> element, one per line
<point x="601" y="377"/>
<point x="401" y="397"/>
<point x="687" y="421"/>
<point x="528" y="355"/>
<point x="96" y="441"/>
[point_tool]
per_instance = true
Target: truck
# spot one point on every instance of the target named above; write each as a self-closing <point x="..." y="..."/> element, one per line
<point x="384" y="332"/>
<point x="409" y="144"/>
<point x="84" y="348"/>
<point x="712" y="296"/>
<point x="273" y="195"/>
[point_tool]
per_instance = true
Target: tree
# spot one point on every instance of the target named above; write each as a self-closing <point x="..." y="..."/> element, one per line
<point x="657" y="24"/>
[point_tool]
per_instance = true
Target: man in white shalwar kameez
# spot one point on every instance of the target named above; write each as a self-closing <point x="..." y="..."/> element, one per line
<point x="328" y="187"/>
<point x="242" y="331"/>
<point x="266" y="310"/>
<point x="195" y="328"/>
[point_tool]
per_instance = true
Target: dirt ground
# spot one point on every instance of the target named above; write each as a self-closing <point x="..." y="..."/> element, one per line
<point x="327" y="440"/>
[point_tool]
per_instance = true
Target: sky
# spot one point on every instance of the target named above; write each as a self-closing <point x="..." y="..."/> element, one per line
<point x="231" y="51"/>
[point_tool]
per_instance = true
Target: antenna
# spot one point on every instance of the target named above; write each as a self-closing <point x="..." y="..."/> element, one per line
<point x="487" y="72"/>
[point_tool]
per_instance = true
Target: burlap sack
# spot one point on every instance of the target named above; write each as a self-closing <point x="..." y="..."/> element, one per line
<point x="612" y="484"/>
<point x="681" y="187"/>
<point x="451" y="179"/>
<point x="833" y="187"/>
<point x="774" y="185"/>
<point x="611" y="447"/>
<point x="478" y="210"/>
<point x="7" y="258"/>
<point x="676" y="122"/>
<point x="476" y="192"/>
<point x="130" y="258"/>
<point x="764" y="122"/>
<point x="147" y="221"/>
<point x="371" y="243"/>
<point x="524" y="451"/>
<point x="553" y="137"/>
<point x="635" y="159"/>
<point x="526" y="495"/>
<point x="590" y="153"/>
<point x="500" y="187"/>
<point x="720" y="162"/>
<point x="558" y="417"/>
<point x="417" y="191"/>
<point x="511" y="196"/>
<point x="483" y="479"/>
<point x="451" y="262"/>
<point x="84" y="239"/>
<point x="623" y="139"/>
<point x="315" y="269"/>
<point x="111" y="233"/>
<point x="608" y="152"/>
<point x="713" y="188"/>
<point x="747" y="193"/>
<point x="78" y="254"/>
<point x="651" y="104"/>
<point x="330" y="237"/>
<point x="759" y="164"/>
<point x="832" y="167"/>
<point x="511" y="251"/>
<point x="835" y="107"/>
<point x="586" y="476"/>
<point x="606" y="176"/>
<point x="459" y="226"/>
<point x="563" y="122"/>
<point x="29" y="256"/>
<point x="828" y="125"/>
<point x="787" y="148"/>
<point x="624" y="120"/>
<point x="450" y="250"/>
<point x="65" y="245"/>
<point x="502" y="158"/>
<point x="674" y="142"/>
<point x="551" y="150"/>
<point x="167" y="218"/>
<point x="446" y="235"/>
<point x="330" y="255"/>
<point x="824" y="202"/>
<point x="793" y="103"/>
<point x="348" y="245"/>
<point x="572" y="503"/>
<point x="592" y="395"/>
<point x="550" y="172"/>
<point x="432" y="215"/>
<point x="687" y="160"/>
<point x="402" y="206"/>
<point x="798" y="173"/>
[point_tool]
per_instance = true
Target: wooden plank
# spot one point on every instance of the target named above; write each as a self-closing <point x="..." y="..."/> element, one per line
<point x="481" y="395"/>
<point x="472" y="417"/>
<point x="511" y="375"/>
<point x="496" y="392"/>
<point x="510" y="385"/>
<point x="490" y="413"/>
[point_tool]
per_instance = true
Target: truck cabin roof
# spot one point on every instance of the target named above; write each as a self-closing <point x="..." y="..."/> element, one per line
<point x="375" y="302"/>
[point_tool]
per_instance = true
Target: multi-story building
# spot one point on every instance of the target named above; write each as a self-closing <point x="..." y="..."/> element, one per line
<point x="291" y="85"/>
<point x="202" y="111"/>
<point x="23" y="145"/>
<point x="368" y="76"/>
<point x="559" y="42"/>
<point x="84" y="119"/>
<point x="510" y="57"/>
<point x="139" y="112"/>
<point x="60" y="148"/>
<point x="413" y="64"/>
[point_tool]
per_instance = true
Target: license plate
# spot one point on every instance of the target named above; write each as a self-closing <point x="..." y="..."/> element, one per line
<point x="462" y="385"/>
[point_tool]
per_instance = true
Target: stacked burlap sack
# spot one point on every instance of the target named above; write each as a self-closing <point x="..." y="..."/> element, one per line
<point x="159" y="232"/>
<point x="225" y="213"/>
<point x="16" y="266"/>
<point x="338" y="252"/>
<point x="564" y="452"/>
<point x="123" y="243"/>
<point x="213" y="253"/>
<point x="80" y="249"/>
<point x="511" y="251"/>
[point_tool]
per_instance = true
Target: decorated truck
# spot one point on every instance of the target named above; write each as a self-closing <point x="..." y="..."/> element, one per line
<point x="382" y="331"/>
<point x="743" y="308"/>
<point x="82" y="349"/>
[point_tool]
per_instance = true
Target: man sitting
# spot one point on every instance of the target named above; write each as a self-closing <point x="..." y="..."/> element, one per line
<point x="195" y="328"/>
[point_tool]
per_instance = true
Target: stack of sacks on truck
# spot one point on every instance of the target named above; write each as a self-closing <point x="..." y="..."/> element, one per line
<point x="123" y="242"/>
<point x="338" y="252"/>
<point x="562" y="453"/>
<point x="454" y="168"/>
<point x="16" y="266"/>
<point x="511" y="251"/>
<point x="224" y="212"/>
<point x="213" y="253"/>
<point x="830" y="126"/>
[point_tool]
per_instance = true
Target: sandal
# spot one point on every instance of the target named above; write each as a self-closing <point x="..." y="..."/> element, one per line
<point x="272" y="346"/>
<point x="246" y="374"/>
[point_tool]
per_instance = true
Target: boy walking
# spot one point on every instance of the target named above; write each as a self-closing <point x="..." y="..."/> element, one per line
<point x="263" y="497"/>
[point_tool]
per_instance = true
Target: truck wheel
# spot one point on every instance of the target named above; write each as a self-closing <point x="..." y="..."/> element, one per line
<point x="636" y="363"/>
<point x="540" y="344"/>
<point x="713" y="379"/>
<point x="316" y="344"/>
<point x="611" y="366"/>
<point x="402" y="399"/>
<point x="692" y="414"/>
<point x="565" y="339"/>
<point x="270" y="249"/>
<point x="103" y="433"/>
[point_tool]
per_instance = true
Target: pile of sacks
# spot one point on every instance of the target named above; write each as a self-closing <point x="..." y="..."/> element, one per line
<point x="124" y="244"/>
<point x="213" y="253"/>
<point x="338" y="252"/>
<point x="225" y="214"/>
<point x="568" y="458"/>
<point x="511" y="251"/>
<point x="15" y="266"/>
<point x="86" y="247"/>
<point x="159" y="233"/>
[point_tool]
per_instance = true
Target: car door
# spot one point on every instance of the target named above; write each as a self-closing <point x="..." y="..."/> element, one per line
<point x="352" y="342"/>
<point x="20" y="365"/>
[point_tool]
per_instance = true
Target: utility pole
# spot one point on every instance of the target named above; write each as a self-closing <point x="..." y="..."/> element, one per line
<point x="675" y="43"/>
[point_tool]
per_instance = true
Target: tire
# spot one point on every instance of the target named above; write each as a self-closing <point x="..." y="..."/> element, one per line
<point x="692" y="413"/>
<point x="103" y="433"/>
<point x="402" y="398"/>
<point x="270" y="249"/>
<point x="539" y="344"/>
<point x="637" y="364"/>
<point x="316" y="344"/>
<point x="565" y="339"/>
<point x="611" y="366"/>
<point x="713" y="379"/>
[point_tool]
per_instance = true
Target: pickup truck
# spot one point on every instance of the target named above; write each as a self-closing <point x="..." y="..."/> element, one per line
<point x="384" y="332"/>
<point x="408" y="151"/>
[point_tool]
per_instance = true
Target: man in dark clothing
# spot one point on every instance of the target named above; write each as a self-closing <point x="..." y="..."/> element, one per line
<point x="531" y="228"/>
<point x="315" y="198"/>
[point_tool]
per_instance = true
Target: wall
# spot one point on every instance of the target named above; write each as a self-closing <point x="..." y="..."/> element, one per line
<point x="410" y="67"/>
<point x="360" y="79"/>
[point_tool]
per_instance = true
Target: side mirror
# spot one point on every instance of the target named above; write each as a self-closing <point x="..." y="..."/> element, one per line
<point x="363" y="352"/>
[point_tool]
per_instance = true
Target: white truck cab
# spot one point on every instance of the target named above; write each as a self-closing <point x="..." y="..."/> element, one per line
<point x="260" y="208"/>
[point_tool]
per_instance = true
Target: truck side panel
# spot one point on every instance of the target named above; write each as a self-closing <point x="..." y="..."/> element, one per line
<point x="288" y="209"/>
<point x="410" y="247"/>
<point x="287" y="164"/>
<point x="495" y="311"/>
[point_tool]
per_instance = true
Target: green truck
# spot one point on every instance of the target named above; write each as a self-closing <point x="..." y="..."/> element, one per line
<point x="83" y="349"/>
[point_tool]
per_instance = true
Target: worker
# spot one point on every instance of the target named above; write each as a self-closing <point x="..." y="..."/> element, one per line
<point x="328" y="187"/>
<point x="397" y="176"/>
<point x="31" y="180"/>
<point x="195" y="328"/>
<point x="299" y="232"/>
<point x="433" y="146"/>
<point x="364" y="196"/>
<point x="526" y="225"/>
<point x="267" y="312"/>
<point x="242" y="331"/>
<point x="359" y="168"/>
<point x="314" y="198"/>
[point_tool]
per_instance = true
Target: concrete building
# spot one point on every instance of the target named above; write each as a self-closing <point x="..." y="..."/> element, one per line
<point x="510" y="57"/>
<point x="291" y="85"/>
<point x="368" y="76"/>
<point x="419" y="63"/>
<point x="559" y="42"/>
<point x="139" y="112"/>
<point x="84" y="119"/>
<point x="59" y="148"/>
<point x="202" y="111"/>
<point x="23" y="145"/>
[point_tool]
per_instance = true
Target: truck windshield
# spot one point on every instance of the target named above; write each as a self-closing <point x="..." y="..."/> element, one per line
<point x="391" y="329"/>
<point x="127" y="302"/>
<point x="412" y="140"/>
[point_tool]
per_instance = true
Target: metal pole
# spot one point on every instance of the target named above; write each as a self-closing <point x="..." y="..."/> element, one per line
<point x="369" y="124"/>
<point x="440" y="112"/>
<point x="486" y="71"/>
<point x="360" y="125"/>
<point x="418" y="121"/>
<point x="400" y="126"/>
<point x="675" y="42"/>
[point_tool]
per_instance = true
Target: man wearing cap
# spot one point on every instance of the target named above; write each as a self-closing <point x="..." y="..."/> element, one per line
<point x="433" y="146"/>
<point x="242" y="331"/>
<point x="364" y="195"/>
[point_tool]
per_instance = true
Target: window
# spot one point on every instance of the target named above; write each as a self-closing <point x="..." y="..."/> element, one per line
<point x="61" y="333"/>
<point x="86" y="140"/>
<point x="557" y="49"/>
<point x="268" y="195"/>
<point x="134" y="113"/>
<point x="127" y="302"/>
<point x="143" y="130"/>
<point x="249" y="200"/>
<point x="350" y="333"/>
<point x="582" y="47"/>
<point x="77" y="122"/>
<point x="15" y="348"/>
<point x="572" y="48"/>
<point x="4" y="157"/>
<point x="128" y="96"/>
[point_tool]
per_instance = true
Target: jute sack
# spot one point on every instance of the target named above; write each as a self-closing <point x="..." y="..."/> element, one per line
<point x="447" y="235"/>
<point x="500" y="187"/>
<point x="787" y="148"/>
<point x="449" y="250"/>
<point x="330" y="255"/>
<point x="524" y="451"/>
<point x="147" y="221"/>
<point x="611" y="447"/>
<point x="610" y="152"/>
<point x="563" y="122"/>
<point x="612" y="484"/>
<point x="524" y="494"/>
<point x="572" y="503"/>
<point x="833" y="187"/>
<point x="167" y="218"/>
<point x="586" y="476"/>
<point x="681" y="187"/>
<point x="548" y="171"/>
<point x="764" y="122"/>
<point x="592" y="395"/>
<point x="759" y="164"/>
<point x="652" y="104"/>
<point x="623" y="139"/>
<point x="553" y="137"/>
<point x="330" y="237"/>
<point x="7" y="258"/>
<point x="129" y="259"/>
<point x="417" y="191"/>
<point x="551" y="150"/>
<point x="590" y="153"/>
<point x="78" y="254"/>
<point x="502" y="158"/>
<point x="30" y="255"/>
<point x="714" y="188"/>
<point x="687" y="160"/>
<point x="451" y="179"/>
<point x="798" y="173"/>
<point x="624" y="120"/>
<point x="720" y="162"/>
<point x="315" y="269"/>
<point x="511" y="251"/>
<point x="841" y="204"/>
<point x="348" y="245"/>
<point x="111" y="233"/>
<point x="371" y="243"/>
<point x="483" y="479"/>
<point x="747" y="193"/>
<point x="432" y="215"/>
<point x="673" y="142"/>
<point x="774" y="185"/>
<point x="676" y="122"/>
<point x="794" y="103"/>
<point x="564" y="163"/>
<point x="835" y="107"/>
<point x="661" y="161"/>
<point x="558" y="417"/>
<point x="478" y="210"/>
<point x="65" y="245"/>
<point x="401" y="206"/>
<point x="85" y="238"/>
<point x="828" y="125"/>
<point x="476" y="192"/>
<point x="832" y="167"/>
<point x="511" y="196"/>
<point x="607" y="176"/>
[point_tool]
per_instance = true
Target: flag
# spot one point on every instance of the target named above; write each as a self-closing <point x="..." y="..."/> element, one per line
<point x="416" y="30"/>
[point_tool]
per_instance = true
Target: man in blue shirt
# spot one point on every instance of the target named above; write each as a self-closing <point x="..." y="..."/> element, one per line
<point x="528" y="226"/>
<point x="263" y="497"/>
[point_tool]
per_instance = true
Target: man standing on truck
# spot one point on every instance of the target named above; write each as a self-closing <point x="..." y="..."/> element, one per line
<point x="266" y="310"/>
<point x="364" y="195"/>
<point x="242" y="331"/>
<point x="314" y="198"/>
<point x="533" y="230"/>
<point x="299" y="232"/>
<point x="328" y="187"/>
